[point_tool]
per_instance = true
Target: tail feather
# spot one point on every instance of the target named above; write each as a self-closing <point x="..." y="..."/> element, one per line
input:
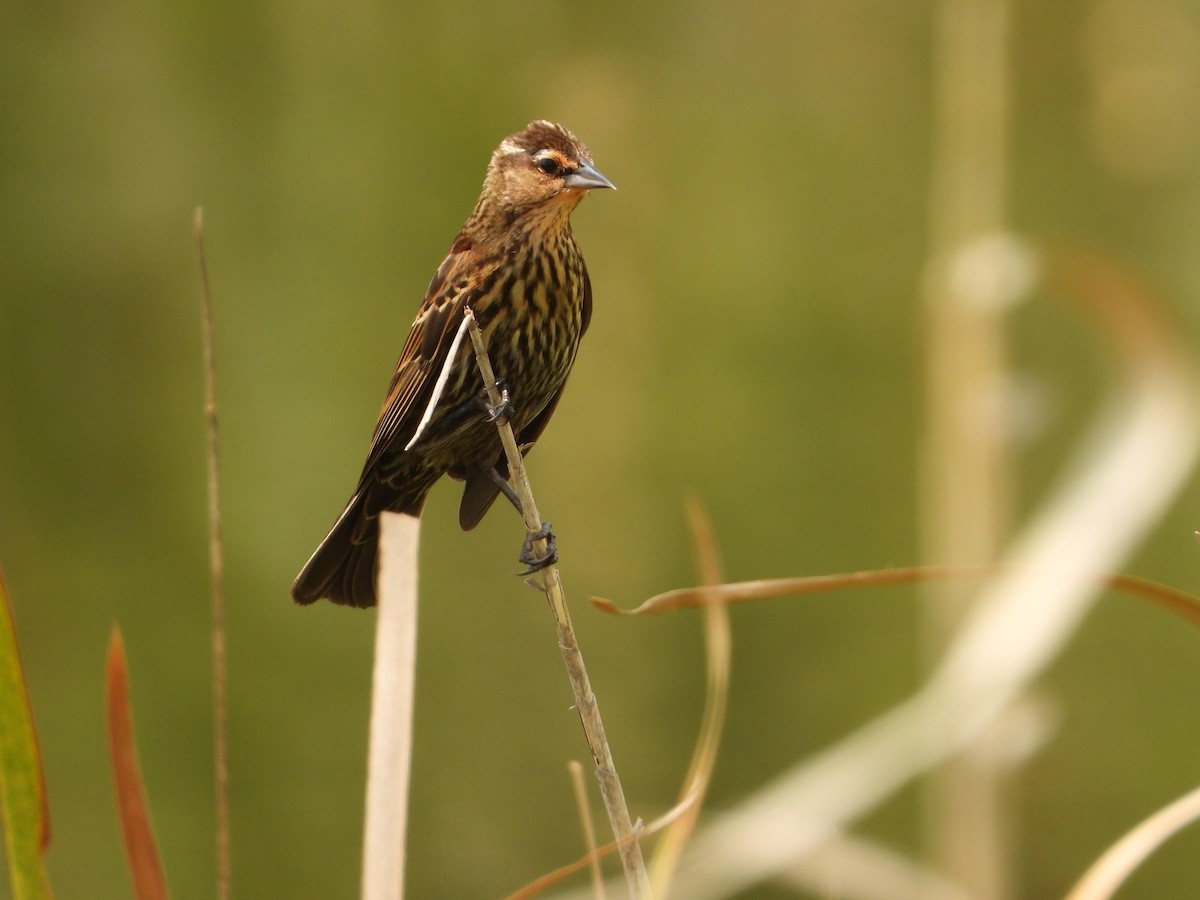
<point x="343" y="567"/>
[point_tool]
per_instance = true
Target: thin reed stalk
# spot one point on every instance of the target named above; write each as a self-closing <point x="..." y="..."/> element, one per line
<point x="216" y="568"/>
<point x="966" y="483"/>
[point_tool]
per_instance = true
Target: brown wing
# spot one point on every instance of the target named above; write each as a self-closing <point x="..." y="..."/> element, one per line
<point x="424" y="353"/>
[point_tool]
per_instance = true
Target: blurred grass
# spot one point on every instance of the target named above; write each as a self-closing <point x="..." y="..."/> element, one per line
<point x="756" y="281"/>
<point x="23" y="807"/>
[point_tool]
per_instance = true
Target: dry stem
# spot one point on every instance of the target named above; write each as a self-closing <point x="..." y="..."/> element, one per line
<point x="217" y="568"/>
<point x="585" y="701"/>
<point x="966" y="477"/>
<point x="393" y="685"/>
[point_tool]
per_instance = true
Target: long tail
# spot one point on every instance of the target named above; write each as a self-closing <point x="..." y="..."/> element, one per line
<point x="342" y="568"/>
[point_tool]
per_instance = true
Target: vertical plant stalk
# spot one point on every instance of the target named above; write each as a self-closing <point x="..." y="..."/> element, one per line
<point x="579" y="788"/>
<point x="217" y="569"/>
<point x="966" y="479"/>
<point x="393" y="686"/>
<point x="585" y="700"/>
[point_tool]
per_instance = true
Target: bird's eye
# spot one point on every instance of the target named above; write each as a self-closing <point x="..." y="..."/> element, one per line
<point x="549" y="165"/>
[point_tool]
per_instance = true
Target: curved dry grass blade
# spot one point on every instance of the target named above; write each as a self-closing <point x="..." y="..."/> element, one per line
<point x="718" y="646"/>
<point x="141" y="849"/>
<point x="1175" y="601"/>
<point x="764" y="589"/>
<point x="216" y="568"/>
<point x="22" y="783"/>
<point x="536" y="887"/>
<point x="561" y="874"/>
<point x="1111" y="870"/>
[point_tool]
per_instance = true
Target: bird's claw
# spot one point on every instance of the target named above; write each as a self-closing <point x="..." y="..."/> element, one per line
<point x="502" y="410"/>
<point x="534" y="562"/>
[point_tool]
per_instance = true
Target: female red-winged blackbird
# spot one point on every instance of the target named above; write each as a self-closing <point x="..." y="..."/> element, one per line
<point x="516" y="265"/>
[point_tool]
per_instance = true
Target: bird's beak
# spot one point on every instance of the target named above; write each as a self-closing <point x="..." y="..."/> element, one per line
<point x="587" y="177"/>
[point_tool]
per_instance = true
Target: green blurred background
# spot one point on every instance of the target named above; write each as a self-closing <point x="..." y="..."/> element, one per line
<point x="756" y="339"/>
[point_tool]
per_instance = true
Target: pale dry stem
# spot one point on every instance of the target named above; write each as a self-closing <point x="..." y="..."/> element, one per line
<point x="393" y="688"/>
<point x="217" y="568"/>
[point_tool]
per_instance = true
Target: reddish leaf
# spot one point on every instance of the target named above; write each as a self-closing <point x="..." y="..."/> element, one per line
<point x="141" y="849"/>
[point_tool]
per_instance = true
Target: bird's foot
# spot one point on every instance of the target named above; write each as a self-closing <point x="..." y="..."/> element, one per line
<point x="533" y="561"/>
<point x="502" y="410"/>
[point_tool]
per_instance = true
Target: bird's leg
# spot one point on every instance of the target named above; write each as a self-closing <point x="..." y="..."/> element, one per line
<point x="502" y="410"/>
<point x="505" y="488"/>
<point x="533" y="562"/>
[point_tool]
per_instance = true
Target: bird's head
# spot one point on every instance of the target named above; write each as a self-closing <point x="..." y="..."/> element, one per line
<point x="542" y="167"/>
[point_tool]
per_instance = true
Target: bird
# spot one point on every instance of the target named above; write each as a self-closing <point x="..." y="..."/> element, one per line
<point x="515" y="264"/>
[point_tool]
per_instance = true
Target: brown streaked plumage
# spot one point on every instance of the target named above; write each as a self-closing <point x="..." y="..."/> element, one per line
<point x="515" y="263"/>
